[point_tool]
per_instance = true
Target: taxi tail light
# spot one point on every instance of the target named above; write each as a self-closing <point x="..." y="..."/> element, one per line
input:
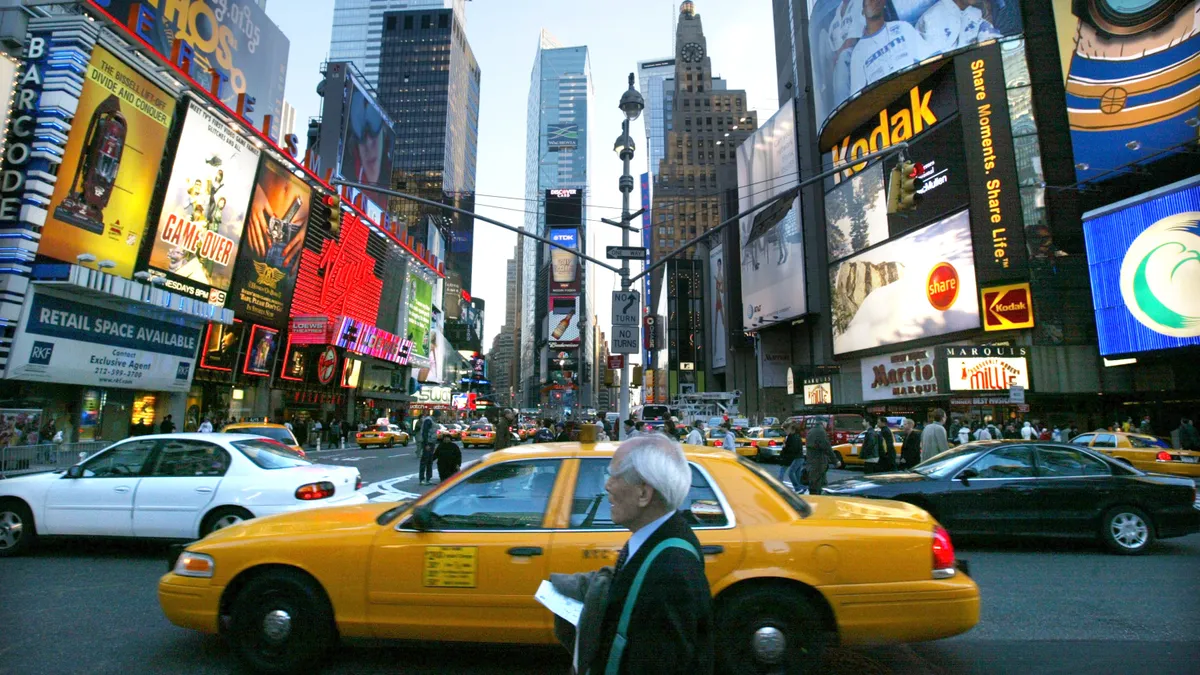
<point x="1164" y="456"/>
<point x="314" y="491"/>
<point x="943" y="553"/>
<point x="358" y="482"/>
<point x="772" y="443"/>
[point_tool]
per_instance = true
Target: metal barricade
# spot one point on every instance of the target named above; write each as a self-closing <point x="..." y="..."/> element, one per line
<point x="19" y="459"/>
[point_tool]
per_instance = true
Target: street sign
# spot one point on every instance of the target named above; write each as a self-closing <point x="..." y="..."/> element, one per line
<point x="626" y="252"/>
<point x="1007" y="307"/>
<point x="1016" y="393"/>
<point x="625" y="340"/>
<point x="616" y="361"/>
<point x="626" y="308"/>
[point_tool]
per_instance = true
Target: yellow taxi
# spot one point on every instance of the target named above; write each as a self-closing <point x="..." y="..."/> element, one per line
<point x="462" y="563"/>
<point x="479" y="434"/>
<point x="849" y="454"/>
<point x="387" y="435"/>
<point x="769" y="441"/>
<point x="715" y="438"/>
<point x="276" y="432"/>
<point x="1141" y="451"/>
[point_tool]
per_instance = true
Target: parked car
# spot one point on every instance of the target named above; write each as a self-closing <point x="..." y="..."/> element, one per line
<point x="276" y="432"/>
<point x="1140" y="451"/>
<point x="169" y="486"/>
<point x="1040" y="488"/>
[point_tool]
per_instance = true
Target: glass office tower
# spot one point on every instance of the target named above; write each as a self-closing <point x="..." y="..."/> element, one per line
<point x="358" y="29"/>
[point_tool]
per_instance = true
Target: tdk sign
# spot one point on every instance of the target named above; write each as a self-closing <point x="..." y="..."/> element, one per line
<point x="563" y="237"/>
<point x="41" y="353"/>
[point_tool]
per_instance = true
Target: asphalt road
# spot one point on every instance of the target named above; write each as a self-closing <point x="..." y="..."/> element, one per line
<point x="1048" y="607"/>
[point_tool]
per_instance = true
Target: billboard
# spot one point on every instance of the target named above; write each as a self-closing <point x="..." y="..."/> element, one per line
<point x="1144" y="262"/>
<point x="564" y="206"/>
<point x="563" y="322"/>
<point x="856" y="214"/>
<point x="64" y="341"/>
<point x="893" y="377"/>
<point x="221" y="342"/>
<point x="987" y="368"/>
<point x="260" y="351"/>
<point x="564" y="266"/>
<point x="113" y="153"/>
<point x="562" y="136"/>
<point x="1130" y="80"/>
<point x="269" y="256"/>
<point x="818" y="391"/>
<point x="420" y="314"/>
<point x="367" y="141"/>
<point x="341" y="273"/>
<point x="719" y="333"/>
<point x="856" y="44"/>
<point x="917" y="286"/>
<point x="232" y="38"/>
<point x="204" y="209"/>
<point x="773" y="287"/>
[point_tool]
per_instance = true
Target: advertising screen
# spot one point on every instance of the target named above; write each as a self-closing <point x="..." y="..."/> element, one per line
<point x="221" y="344"/>
<point x="1144" y="261"/>
<point x="113" y="152"/>
<point x="773" y="288"/>
<point x="818" y="392"/>
<point x="269" y="256"/>
<point x="716" y="294"/>
<point x="232" y="37"/>
<point x="940" y="153"/>
<point x="562" y="136"/>
<point x="856" y="44"/>
<point x="1131" y="87"/>
<point x="260" y="351"/>
<point x="917" y="286"/>
<point x="564" y="266"/>
<point x="341" y="273"/>
<point x="987" y="368"/>
<point x="563" y="322"/>
<point x="204" y="209"/>
<point x="564" y="206"/>
<point x="420" y="314"/>
<point x="367" y="141"/>
<point x="856" y="214"/>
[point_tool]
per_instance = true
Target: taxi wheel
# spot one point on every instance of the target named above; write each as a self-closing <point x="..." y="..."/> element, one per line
<point x="281" y="623"/>
<point x="16" y="528"/>
<point x="1127" y="530"/>
<point x="769" y="630"/>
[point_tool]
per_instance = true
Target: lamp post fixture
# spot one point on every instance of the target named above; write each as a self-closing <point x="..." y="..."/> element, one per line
<point x="631" y="105"/>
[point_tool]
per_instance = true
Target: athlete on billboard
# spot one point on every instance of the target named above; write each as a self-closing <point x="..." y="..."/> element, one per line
<point x="884" y="48"/>
<point x="845" y="28"/>
<point x="950" y="24"/>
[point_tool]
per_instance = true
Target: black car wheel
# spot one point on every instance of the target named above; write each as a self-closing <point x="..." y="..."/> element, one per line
<point x="16" y="528"/>
<point x="768" y="629"/>
<point x="282" y="623"/>
<point x="1127" y="530"/>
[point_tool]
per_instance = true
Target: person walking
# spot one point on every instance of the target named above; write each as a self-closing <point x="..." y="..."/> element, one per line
<point x="628" y="430"/>
<point x="872" y="447"/>
<point x="206" y="427"/>
<point x="982" y="433"/>
<point x="335" y="432"/>
<point x="167" y="426"/>
<point x="910" y="450"/>
<point x="449" y="458"/>
<point x="561" y="435"/>
<point x="729" y="441"/>
<point x="818" y="456"/>
<point x="696" y="435"/>
<point x="1145" y="427"/>
<point x="791" y="458"/>
<point x="426" y="445"/>
<point x="1189" y="438"/>
<point x="652" y="612"/>
<point x="503" y="429"/>
<point x="964" y="436"/>
<point x="544" y="434"/>
<point x="1027" y="432"/>
<point x="318" y="432"/>
<point x="887" y="448"/>
<point x="933" y="436"/>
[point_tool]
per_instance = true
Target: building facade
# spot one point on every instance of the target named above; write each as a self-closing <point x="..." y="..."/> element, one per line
<point x="555" y="350"/>
<point x="358" y="27"/>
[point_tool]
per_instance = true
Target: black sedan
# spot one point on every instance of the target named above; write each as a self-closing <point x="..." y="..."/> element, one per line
<point x="1042" y="489"/>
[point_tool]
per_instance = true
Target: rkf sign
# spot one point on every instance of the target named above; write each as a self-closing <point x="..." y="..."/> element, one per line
<point x="1007" y="307"/>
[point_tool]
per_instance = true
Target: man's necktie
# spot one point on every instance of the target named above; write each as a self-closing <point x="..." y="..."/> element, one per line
<point x="622" y="557"/>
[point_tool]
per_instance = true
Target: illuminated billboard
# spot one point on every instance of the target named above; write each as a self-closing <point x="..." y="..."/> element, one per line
<point x="1131" y="85"/>
<point x="367" y="140"/>
<point x="115" y="148"/>
<point x="563" y="322"/>
<point x="204" y="209"/>
<point x="1144" y="261"/>
<point x="564" y="265"/>
<point x="987" y="368"/>
<point x="340" y="273"/>
<point x="719" y="336"/>
<point x="857" y="44"/>
<point x="420" y="314"/>
<point x="917" y="286"/>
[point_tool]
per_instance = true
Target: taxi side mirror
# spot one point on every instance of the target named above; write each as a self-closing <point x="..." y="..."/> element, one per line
<point x="966" y="475"/>
<point x="422" y="518"/>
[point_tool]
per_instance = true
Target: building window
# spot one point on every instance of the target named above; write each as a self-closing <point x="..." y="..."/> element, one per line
<point x="426" y="22"/>
<point x="391" y="23"/>
<point x="444" y="21"/>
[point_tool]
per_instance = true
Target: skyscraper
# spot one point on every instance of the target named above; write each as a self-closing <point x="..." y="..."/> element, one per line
<point x="429" y="80"/>
<point x="358" y="29"/>
<point x="502" y="361"/>
<point x="554" y="342"/>
<point x="653" y="75"/>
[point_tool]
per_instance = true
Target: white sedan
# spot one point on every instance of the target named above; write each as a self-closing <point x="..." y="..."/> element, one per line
<point x="169" y="486"/>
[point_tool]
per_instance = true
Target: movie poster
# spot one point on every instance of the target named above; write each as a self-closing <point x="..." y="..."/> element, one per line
<point x="204" y="208"/>
<point x="114" y="150"/>
<point x="270" y="252"/>
<point x="260" y="351"/>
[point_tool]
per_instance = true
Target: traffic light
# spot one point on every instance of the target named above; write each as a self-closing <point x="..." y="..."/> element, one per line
<point x="910" y="183"/>
<point x="610" y="377"/>
<point x="334" y="203"/>
<point x="636" y="380"/>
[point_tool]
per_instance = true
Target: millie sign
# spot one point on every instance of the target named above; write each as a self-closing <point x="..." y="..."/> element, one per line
<point x="987" y="368"/>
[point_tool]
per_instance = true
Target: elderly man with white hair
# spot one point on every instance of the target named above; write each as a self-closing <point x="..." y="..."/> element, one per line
<point x="652" y="613"/>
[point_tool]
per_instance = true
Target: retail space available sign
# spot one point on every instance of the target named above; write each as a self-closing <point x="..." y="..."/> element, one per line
<point x="70" y="342"/>
<point x="987" y="368"/>
<point x="888" y="377"/>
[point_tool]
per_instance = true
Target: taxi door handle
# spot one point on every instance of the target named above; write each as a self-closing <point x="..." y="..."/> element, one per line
<point x="525" y="551"/>
<point x="712" y="550"/>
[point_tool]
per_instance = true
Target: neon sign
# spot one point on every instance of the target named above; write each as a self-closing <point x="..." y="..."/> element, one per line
<point x="362" y="338"/>
<point x="339" y="279"/>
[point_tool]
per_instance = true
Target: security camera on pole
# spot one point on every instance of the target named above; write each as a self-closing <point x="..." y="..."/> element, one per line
<point x="631" y="104"/>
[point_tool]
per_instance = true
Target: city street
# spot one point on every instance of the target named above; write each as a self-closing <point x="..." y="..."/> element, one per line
<point x="1047" y="607"/>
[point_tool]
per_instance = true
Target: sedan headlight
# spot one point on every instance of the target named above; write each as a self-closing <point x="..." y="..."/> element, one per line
<point x="191" y="564"/>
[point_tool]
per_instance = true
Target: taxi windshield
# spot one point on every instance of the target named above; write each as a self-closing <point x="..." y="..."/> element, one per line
<point x="281" y="434"/>
<point x="269" y="455"/>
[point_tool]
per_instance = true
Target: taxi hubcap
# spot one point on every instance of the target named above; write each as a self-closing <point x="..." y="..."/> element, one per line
<point x="277" y="625"/>
<point x="1129" y="530"/>
<point x="769" y="644"/>
<point x="10" y="529"/>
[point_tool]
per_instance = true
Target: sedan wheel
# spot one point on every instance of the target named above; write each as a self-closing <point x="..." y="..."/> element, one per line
<point x="281" y="622"/>
<point x="769" y="630"/>
<point x="223" y="518"/>
<point x="1127" y="530"/>
<point x="16" y="529"/>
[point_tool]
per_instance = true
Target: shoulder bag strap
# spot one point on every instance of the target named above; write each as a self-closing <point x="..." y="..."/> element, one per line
<point x="619" y="640"/>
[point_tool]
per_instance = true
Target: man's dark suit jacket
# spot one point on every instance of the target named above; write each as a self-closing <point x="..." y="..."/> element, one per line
<point x="671" y="628"/>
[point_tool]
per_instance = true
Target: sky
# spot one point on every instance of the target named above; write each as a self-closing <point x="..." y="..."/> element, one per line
<point x="504" y="36"/>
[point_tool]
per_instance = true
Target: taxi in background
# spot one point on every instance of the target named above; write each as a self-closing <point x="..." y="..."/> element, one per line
<point x="850" y="454"/>
<point x="769" y="441"/>
<point x="479" y="434"/>
<point x="788" y="574"/>
<point x="455" y="430"/>
<point x="715" y="438"/>
<point x="387" y="435"/>
<point x="276" y="432"/>
<point x="1141" y="451"/>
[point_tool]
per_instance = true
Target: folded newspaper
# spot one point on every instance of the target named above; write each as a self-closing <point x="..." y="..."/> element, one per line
<point x="567" y="608"/>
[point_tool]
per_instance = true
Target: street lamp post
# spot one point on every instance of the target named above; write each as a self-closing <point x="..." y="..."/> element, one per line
<point x="631" y="104"/>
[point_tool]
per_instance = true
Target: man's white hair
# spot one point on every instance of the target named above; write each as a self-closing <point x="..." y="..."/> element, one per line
<point x="658" y="461"/>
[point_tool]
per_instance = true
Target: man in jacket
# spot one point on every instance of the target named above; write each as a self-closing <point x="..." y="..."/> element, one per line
<point x="933" y="436"/>
<point x="659" y="572"/>
<point x="910" y="452"/>
<point x="696" y="435"/>
<point x="503" y="437"/>
<point x="887" y="447"/>
<point x="872" y="447"/>
<point x="818" y="455"/>
<point x="1189" y="438"/>
<point x="426" y="440"/>
<point x="791" y="458"/>
<point x="449" y="458"/>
